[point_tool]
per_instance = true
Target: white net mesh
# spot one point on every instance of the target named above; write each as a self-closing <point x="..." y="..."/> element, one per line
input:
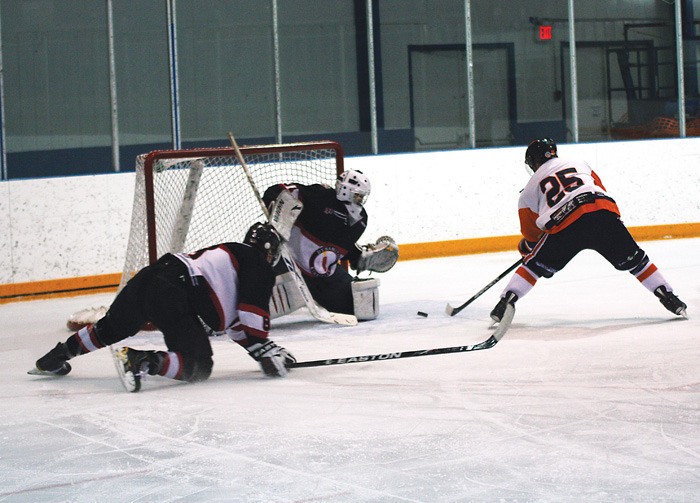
<point x="202" y="197"/>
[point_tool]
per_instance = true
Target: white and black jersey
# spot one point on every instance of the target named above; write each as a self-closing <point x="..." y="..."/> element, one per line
<point x="231" y="287"/>
<point x="324" y="233"/>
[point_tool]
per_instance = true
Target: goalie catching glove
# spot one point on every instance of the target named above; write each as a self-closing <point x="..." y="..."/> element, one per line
<point x="273" y="359"/>
<point x="377" y="257"/>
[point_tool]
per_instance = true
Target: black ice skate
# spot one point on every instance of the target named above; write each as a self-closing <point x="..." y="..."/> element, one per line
<point x="500" y="309"/>
<point x="53" y="363"/>
<point x="671" y="302"/>
<point x="132" y="364"/>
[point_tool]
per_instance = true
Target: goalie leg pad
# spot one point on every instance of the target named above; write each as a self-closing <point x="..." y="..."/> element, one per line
<point x="286" y="297"/>
<point x="365" y="296"/>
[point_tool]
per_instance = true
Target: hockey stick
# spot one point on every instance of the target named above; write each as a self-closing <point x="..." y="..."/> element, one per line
<point x="454" y="310"/>
<point x="316" y="310"/>
<point x="488" y="343"/>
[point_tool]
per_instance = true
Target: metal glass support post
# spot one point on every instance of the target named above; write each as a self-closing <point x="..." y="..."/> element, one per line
<point x="174" y="81"/>
<point x="278" y="91"/>
<point x="372" y="78"/>
<point x="113" y="87"/>
<point x="470" y="72"/>
<point x="681" y="74"/>
<point x="574" y="80"/>
<point x="3" y="153"/>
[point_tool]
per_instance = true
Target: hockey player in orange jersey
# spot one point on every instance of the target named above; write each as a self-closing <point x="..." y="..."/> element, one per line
<point x="563" y="209"/>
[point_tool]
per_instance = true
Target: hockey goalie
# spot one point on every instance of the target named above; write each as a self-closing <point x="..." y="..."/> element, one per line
<point x="322" y="226"/>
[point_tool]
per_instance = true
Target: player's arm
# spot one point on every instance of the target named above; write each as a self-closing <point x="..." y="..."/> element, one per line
<point x="377" y="257"/>
<point x="597" y="181"/>
<point x="273" y="191"/>
<point x="251" y="330"/>
<point x="528" y="224"/>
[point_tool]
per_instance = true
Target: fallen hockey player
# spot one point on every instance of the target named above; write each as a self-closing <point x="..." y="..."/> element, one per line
<point x="225" y="287"/>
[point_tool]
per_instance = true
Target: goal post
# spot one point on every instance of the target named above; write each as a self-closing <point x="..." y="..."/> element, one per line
<point x="188" y="199"/>
<point x="185" y="200"/>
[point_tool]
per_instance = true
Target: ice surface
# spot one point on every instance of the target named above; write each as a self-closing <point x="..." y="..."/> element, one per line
<point x="593" y="395"/>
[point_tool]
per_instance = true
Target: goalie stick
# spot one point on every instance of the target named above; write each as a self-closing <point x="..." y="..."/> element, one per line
<point x="488" y="343"/>
<point x="316" y="310"/>
<point x="454" y="310"/>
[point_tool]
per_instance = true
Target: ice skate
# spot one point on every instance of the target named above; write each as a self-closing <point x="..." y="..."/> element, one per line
<point x="53" y="363"/>
<point x="671" y="302"/>
<point x="131" y="365"/>
<point x="498" y="311"/>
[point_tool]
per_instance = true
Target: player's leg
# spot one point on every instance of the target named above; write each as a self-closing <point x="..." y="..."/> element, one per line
<point x="333" y="292"/>
<point x="169" y="307"/>
<point x="123" y="319"/>
<point x="549" y="255"/>
<point x="614" y="242"/>
<point x="286" y="297"/>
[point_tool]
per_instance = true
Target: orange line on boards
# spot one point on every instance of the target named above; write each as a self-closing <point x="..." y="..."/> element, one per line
<point x="104" y="283"/>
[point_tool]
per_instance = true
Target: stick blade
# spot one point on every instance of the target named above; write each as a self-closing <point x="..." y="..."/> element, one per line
<point x="505" y="322"/>
<point x="343" y="319"/>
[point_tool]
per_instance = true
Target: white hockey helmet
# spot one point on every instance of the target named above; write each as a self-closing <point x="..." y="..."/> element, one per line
<point x="353" y="187"/>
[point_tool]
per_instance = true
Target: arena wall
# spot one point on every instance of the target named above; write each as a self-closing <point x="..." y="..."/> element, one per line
<point x="63" y="236"/>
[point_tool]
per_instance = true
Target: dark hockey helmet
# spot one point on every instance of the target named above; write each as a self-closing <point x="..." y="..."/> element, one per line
<point x="540" y="151"/>
<point x="264" y="238"/>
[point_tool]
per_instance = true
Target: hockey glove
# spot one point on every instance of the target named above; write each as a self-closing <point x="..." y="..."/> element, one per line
<point x="284" y="211"/>
<point x="525" y="247"/>
<point x="377" y="257"/>
<point x="273" y="359"/>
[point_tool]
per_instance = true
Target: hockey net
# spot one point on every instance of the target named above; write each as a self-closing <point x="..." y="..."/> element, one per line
<point x="185" y="200"/>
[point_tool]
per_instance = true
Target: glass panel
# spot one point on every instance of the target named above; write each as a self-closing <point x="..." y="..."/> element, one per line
<point x="319" y="73"/>
<point x="691" y="65"/>
<point x="422" y="72"/>
<point x="626" y="70"/>
<point x="226" y="71"/>
<point x="143" y="78"/>
<point x="517" y="68"/>
<point x="56" y="78"/>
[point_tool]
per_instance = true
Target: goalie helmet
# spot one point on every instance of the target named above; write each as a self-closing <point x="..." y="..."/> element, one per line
<point x="539" y="152"/>
<point x="352" y="187"/>
<point x="264" y="238"/>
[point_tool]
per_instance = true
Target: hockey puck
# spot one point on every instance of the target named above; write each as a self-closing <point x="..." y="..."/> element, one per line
<point x="421" y="313"/>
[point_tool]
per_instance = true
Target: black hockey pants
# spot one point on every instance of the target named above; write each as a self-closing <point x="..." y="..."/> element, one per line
<point x="160" y="294"/>
<point x="602" y="231"/>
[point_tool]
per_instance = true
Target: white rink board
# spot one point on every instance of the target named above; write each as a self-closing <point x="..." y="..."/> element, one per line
<point x="57" y="228"/>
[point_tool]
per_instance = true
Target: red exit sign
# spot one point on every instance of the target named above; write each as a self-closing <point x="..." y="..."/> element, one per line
<point x="544" y="32"/>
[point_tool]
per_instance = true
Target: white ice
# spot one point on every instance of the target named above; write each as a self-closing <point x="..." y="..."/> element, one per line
<point x="592" y="395"/>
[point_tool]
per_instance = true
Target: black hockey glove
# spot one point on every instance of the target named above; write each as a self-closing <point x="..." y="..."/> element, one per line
<point x="273" y="359"/>
<point x="525" y="247"/>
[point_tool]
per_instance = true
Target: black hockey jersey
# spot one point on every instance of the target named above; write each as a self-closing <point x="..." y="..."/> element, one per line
<point x="324" y="233"/>
<point x="231" y="285"/>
